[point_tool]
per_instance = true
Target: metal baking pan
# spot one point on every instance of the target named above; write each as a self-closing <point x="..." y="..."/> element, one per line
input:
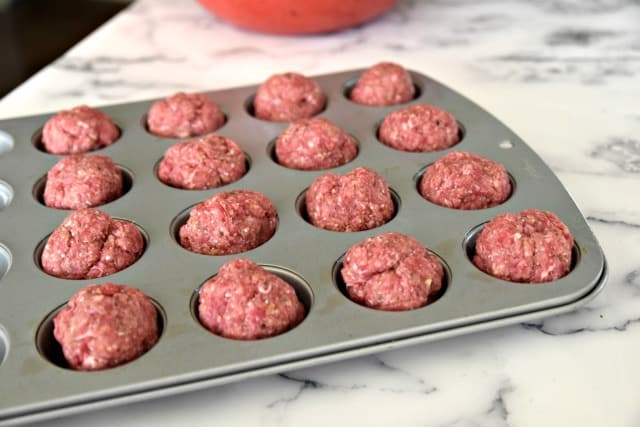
<point x="34" y="386"/>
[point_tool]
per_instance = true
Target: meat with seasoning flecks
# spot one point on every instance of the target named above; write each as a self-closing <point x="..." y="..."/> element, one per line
<point x="246" y="302"/>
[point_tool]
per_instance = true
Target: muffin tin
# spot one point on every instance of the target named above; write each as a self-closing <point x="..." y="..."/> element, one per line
<point x="35" y="384"/>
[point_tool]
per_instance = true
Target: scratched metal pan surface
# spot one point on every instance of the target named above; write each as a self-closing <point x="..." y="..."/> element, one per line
<point x="35" y="384"/>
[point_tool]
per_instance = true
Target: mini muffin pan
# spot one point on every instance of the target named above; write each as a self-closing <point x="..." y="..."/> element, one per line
<point x="34" y="380"/>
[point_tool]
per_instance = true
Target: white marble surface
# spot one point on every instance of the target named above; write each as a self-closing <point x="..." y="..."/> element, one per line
<point x="563" y="74"/>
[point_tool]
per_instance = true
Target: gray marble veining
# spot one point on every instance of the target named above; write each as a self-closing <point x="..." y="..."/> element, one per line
<point x="563" y="74"/>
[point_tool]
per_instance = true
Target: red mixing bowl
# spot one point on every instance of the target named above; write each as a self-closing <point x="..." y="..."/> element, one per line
<point x="297" y="16"/>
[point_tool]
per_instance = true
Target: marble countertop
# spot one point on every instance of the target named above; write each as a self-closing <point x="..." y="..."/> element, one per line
<point x="563" y="74"/>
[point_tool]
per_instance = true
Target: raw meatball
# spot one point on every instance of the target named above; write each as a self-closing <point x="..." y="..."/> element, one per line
<point x="183" y="115"/>
<point x="200" y="164"/>
<point x="420" y="127"/>
<point x="229" y="223"/>
<point x="106" y="325"/>
<point x="531" y="246"/>
<point x="391" y="271"/>
<point x="383" y="84"/>
<point x="359" y="200"/>
<point x="81" y="181"/>
<point x="90" y="244"/>
<point x="313" y="144"/>
<point x="288" y="97"/>
<point x="78" y="130"/>
<point x="246" y="302"/>
<point x="462" y="180"/>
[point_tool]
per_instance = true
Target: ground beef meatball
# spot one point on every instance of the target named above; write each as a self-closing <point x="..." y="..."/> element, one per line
<point x="531" y="246"/>
<point x="90" y="244"/>
<point x="200" y="164"/>
<point x="462" y="180"/>
<point x="184" y="115"/>
<point x="383" y="84"/>
<point x="313" y="144"/>
<point x="391" y="271"/>
<point x="419" y="128"/>
<point x="229" y="223"/>
<point x="246" y="302"/>
<point x="106" y="325"/>
<point x="288" y="97"/>
<point x="78" y="130"/>
<point x="82" y="181"/>
<point x="359" y="200"/>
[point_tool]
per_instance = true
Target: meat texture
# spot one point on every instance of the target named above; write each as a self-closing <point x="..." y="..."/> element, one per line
<point x="107" y="325"/>
<point x="419" y="128"/>
<point x="531" y="246"/>
<point x="229" y="223"/>
<point x="78" y="130"/>
<point x="288" y="97"/>
<point x="359" y="200"/>
<point x="246" y="302"/>
<point x="204" y="163"/>
<point x="184" y="115"/>
<point x="90" y="244"/>
<point x="383" y="84"/>
<point x="392" y="271"/>
<point x="462" y="180"/>
<point x="314" y="144"/>
<point x="81" y="181"/>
